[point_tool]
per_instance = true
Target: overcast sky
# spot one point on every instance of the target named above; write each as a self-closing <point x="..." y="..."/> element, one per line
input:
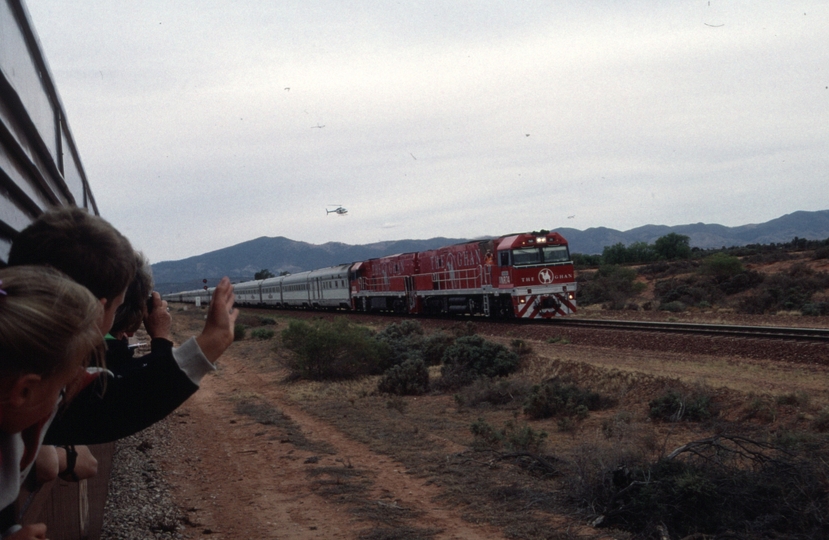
<point x="205" y="123"/>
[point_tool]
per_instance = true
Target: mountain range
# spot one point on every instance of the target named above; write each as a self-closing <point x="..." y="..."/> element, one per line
<point x="280" y="254"/>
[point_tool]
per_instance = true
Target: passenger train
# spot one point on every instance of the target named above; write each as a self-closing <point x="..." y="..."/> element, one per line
<point x="527" y="276"/>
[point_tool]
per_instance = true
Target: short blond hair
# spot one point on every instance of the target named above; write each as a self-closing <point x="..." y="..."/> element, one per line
<point x="48" y="323"/>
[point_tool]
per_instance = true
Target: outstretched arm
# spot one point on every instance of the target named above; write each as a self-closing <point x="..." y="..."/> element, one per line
<point x="217" y="335"/>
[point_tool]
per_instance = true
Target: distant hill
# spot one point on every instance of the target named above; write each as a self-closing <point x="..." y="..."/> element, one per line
<point x="242" y="261"/>
<point x="280" y="254"/>
<point x="808" y="225"/>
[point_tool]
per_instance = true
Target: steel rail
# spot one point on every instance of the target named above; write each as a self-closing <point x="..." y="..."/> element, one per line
<point x="756" y="332"/>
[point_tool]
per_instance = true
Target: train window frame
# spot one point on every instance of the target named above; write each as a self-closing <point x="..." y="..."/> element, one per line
<point x="519" y="259"/>
<point x="555" y="249"/>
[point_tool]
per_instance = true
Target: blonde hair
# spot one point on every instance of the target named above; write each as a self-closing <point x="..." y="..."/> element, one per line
<point x="47" y="322"/>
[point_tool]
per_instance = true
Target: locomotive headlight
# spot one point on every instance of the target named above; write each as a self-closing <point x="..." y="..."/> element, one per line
<point x="541" y="239"/>
<point x="571" y="296"/>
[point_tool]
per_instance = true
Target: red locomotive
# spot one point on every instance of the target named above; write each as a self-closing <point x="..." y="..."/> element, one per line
<point x="527" y="275"/>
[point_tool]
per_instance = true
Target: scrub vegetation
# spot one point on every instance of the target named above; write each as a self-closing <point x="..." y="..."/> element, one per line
<point x="634" y="455"/>
<point x="678" y="278"/>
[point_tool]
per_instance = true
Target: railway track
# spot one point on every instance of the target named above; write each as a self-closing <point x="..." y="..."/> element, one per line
<point x="756" y="332"/>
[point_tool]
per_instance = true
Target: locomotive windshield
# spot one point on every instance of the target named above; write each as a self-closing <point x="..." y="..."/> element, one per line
<point x="540" y="255"/>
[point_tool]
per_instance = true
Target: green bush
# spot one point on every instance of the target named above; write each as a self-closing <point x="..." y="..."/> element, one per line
<point x="471" y="357"/>
<point x="239" y="331"/>
<point x="262" y="333"/>
<point x="410" y="378"/>
<point x="267" y="321"/>
<point x="334" y="350"/>
<point x="434" y="346"/>
<point x="786" y="291"/>
<point x="558" y="397"/>
<point x="673" y="407"/>
<point x="815" y="309"/>
<point x="611" y="285"/>
<point x="721" y="266"/>
<point x="673" y="307"/>
<point x="403" y="340"/>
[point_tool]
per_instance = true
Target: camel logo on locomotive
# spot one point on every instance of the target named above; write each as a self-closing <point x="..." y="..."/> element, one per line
<point x="545" y="276"/>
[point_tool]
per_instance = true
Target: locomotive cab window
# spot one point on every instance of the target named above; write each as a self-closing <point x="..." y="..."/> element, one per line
<point x="503" y="258"/>
<point x="526" y="256"/>
<point x="555" y="254"/>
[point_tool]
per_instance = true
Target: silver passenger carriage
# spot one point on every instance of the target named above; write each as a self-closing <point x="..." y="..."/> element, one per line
<point x="248" y="293"/>
<point x="272" y="291"/>
<point x="329" y="288"/>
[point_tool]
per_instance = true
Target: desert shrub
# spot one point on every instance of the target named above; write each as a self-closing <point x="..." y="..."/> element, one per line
<point x="721" y="266"/>
<point x="821" y="253"/>
<point x="410" y="378"/>
<point x="559" y="397"/>
<point x="520" y="347"/>
<point x="610" y="284"/>
<point x="674" y="307"/>
<point x="815" y="309"/>
<point x="768" y="255"/>
<point x="492" y="392"/>
<point x="715" y="486"/>
<point x="760" y="408"/>
<point x="690" y="291"/>
<point x="511" y="437"/>
<point x="464" y="329"/>
<point x="821" y="420"/>
<point x="786" y="291"/>
<point x="334" y="350"/>
<point x="262" y="333"/>
<point x="741" y="282"/>
<point x="794" y="399"/>
<point x="485" y="435"/>
<point x="616" y="426"/>
<point x="471" y="357"/>
<point x="404" y="341"/>
<point x="239" y="331"/>
<point x="564" y="340"/>
<point x="267" y="321"/>
<point x="673" y="406"/>
<point x="434" y="346"/>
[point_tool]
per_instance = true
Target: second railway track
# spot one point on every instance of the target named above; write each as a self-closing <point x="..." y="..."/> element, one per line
<point x="709" y="330"/>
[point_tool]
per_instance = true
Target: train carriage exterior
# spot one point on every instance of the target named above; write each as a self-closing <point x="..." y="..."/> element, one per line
<point x="329" y="287"/>
<point x="272" y="291"/>
<point x="248" y="293"/>
<point x="295" y="291"/>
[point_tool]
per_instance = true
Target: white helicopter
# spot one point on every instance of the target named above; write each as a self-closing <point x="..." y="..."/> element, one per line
<point x="339" y="210"/>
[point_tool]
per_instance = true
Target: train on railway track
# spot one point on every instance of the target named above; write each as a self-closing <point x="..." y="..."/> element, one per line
<point x="525" y="276"/>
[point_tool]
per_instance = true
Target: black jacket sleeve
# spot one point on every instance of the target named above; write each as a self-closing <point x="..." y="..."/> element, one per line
<point x="134" y="398"/>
